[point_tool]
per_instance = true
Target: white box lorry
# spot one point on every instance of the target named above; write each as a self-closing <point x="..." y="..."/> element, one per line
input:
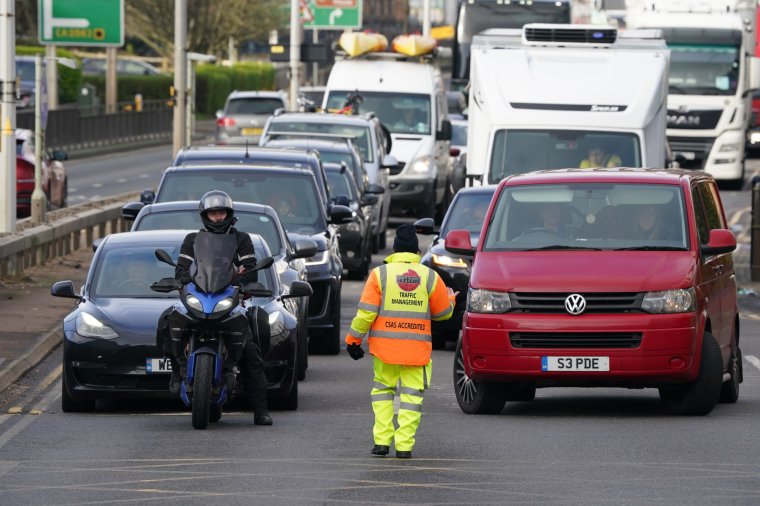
<point x="712" y="71"/>
<point x="560" y="96"/>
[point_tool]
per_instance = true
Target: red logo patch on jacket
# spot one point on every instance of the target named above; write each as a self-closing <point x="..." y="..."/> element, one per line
<point x="409" y="281"/>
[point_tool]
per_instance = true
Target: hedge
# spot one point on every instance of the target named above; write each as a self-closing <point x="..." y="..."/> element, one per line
<point x="70" y="80"/>
<point x="214" y="83"/>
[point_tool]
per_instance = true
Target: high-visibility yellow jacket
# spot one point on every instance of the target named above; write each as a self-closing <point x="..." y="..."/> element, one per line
<point x="398" y="302"/>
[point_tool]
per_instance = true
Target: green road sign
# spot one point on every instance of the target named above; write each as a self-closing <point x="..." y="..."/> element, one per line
<point x="81" y="22"/>
<point x="331" y="14"/>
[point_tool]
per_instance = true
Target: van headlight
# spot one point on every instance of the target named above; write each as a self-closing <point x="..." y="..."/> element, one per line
<point x="421" y="165"/>
<point x="487" y="301"/>
<point x="89" y="326"/>
<point x="731" y="146"/>
<point x="669" y="301"/>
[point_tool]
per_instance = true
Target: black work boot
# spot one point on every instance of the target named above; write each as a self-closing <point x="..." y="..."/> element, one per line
<point x="400" y="454"/>
<point x="380" y="450"/>
<point x="262" y="417"/>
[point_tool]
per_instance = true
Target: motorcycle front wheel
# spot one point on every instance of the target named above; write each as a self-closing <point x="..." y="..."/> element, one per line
<point x="202" y="383"/>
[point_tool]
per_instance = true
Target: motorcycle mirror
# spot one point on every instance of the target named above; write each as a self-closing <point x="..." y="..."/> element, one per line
<point x="164" y="257"/>
<point x="165" y="285"/>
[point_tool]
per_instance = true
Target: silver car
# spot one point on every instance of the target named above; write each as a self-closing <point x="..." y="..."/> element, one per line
<point x="245" y="114"/>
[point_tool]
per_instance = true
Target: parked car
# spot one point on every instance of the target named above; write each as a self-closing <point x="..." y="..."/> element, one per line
<point x="109" y="344"/>
<point x="253" y="219"/>
<point x="244" y="114"/>
<point x="294" y="196"/>
<point x="254" y="155"/>
<point x="54" y="178"/>
<point x="466" y="212"/>
<point x="609" y="277"/>
<point x="124" y="67"/>
<point x="355" y="237"/>
<point x="367" y="133"/>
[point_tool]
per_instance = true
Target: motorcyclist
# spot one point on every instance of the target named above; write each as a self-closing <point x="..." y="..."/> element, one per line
<point x="218" y="217"/>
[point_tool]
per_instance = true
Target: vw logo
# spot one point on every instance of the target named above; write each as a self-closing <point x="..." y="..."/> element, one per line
<point x="575" y="304"/>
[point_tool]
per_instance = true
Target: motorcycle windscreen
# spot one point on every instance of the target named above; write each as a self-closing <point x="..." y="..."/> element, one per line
<point x="214" y="255"/>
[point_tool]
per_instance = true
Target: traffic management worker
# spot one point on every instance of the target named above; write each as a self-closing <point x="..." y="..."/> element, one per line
<point x="398" y="302"/>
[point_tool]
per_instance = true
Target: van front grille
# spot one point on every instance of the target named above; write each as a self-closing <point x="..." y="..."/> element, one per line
<point x="529" y="302"/>
<point x="575" y="340"/>
<point x="571" y="35"/>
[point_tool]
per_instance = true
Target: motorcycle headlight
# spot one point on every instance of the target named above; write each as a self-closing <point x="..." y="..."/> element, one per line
<point x="89" y="326"/>
<point x="669" y="301"/>
<point x="223" y="305"/>
<point x="193" y="303"/>
<point x="447" y="261"/>
<point x="420" y="165"/>
<point x="487" y="301"/>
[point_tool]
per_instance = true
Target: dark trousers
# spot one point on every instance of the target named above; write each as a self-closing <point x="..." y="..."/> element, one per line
<point x="254" y="379"/>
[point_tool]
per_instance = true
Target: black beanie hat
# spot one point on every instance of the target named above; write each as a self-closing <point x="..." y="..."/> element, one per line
<point x="406" y="239"/>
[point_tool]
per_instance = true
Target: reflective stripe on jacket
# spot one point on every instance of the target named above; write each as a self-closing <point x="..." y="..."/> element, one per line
<point x="398" y="302"/>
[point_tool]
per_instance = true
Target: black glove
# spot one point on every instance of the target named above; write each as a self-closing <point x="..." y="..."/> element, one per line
<point x="355" y="351"/>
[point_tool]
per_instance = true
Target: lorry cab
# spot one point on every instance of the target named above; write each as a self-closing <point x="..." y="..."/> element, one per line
<point x="409" y="98"/>
<point x="547" y="96"/>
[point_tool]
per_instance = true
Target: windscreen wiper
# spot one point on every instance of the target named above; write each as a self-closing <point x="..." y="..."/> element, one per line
<point x="651" y="248"/>
<point x="563" y="246"/>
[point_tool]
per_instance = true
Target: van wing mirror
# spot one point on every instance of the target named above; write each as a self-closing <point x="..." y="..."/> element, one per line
<point x="459" y="243"/>
<point x="444" y="134"/>
<point x="721" y="241"/>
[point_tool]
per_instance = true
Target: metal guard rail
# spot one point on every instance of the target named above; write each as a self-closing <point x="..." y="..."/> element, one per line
<point x="64" y="231"/>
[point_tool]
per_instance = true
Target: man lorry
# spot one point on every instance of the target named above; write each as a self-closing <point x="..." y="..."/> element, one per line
<point x="561" y="96"/>
<point x="713" y="71"/>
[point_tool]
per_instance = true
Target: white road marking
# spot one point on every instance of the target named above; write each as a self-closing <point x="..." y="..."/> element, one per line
<point x="753" y="360"/>
<point x="121" y="180"/>
<point x="737" y="216"/>
<point x="145" y="176"/>
<point x="73" y="190"/>
<point x="97" y="185"/>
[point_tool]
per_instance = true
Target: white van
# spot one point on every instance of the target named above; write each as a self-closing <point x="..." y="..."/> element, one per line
<point x="410" y="100"/>
<point x="561" y="96"/>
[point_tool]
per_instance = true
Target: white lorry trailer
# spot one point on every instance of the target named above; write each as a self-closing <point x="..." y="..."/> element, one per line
<point x="546" y="96"/>
<point x="712" y="43"/>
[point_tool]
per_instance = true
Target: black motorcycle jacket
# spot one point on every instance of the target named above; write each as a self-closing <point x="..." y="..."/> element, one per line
<point x="244" y="257"/>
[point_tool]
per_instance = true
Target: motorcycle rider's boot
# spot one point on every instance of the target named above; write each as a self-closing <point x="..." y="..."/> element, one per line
<point x="262" y="417"/>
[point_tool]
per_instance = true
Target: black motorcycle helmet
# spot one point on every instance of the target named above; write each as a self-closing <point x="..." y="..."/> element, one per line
<point x="217" y="200"/>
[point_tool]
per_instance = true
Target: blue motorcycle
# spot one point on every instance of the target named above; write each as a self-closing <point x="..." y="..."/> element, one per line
<point x="210" y="323"/>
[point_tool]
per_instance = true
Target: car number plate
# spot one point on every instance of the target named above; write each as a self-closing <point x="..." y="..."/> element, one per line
<point x="252" y="131"/>
<point x="158" y="365"/>
<point x="575" y="363"/>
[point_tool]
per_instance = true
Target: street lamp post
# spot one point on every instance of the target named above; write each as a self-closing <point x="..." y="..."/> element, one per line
<point x="8" y="117"/>
<point x="39" y="201"/>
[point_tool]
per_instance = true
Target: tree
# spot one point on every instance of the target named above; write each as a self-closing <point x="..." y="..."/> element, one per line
<point x="210" y="23"/>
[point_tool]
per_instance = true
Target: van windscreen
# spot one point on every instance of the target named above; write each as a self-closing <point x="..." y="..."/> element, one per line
<point x="401" y="113"/>
<point x="520" y="151"/>
<point x="588" y="216"/>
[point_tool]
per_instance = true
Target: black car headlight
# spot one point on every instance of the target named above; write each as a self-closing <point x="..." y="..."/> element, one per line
<point x="89" y="326"/>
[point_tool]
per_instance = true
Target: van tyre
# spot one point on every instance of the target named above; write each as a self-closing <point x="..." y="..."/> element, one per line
<point x="729" y="393"/>
<point x="700" y="396"/>
<point x="476" y="397"/>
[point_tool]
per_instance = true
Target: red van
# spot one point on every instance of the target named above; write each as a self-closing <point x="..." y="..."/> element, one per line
<point x="606" y="277"/>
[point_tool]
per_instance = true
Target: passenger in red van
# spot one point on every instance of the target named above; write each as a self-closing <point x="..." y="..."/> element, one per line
<point x="647" y="224"/>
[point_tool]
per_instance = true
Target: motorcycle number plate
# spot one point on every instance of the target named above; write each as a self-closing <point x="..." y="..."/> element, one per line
<point x="158" y="365"/>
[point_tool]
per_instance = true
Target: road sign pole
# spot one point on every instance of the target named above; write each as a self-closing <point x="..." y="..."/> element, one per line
<point x="315" y="65"/>
<point x="51" y="74"/>
<point x="295" y="53"/>
<point x="8" y="116"/>
<point x="38" y="196"/>
<point x="180" y="74"/>
<point x="111" y="80"/>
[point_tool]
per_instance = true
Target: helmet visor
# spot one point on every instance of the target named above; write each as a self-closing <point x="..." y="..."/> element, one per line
<point x="216" y="202"/>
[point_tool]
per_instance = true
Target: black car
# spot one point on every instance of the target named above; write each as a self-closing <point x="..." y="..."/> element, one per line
<point x="252" y="219"/>
<point x="466" y="211"/>
<point x="294" y="196"/>
<point x="256" y="156"/>
<point x="109" y="344"/>
<point x="356" y="235"/>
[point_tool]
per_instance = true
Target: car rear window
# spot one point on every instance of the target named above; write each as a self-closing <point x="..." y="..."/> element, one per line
<point x="251" y="223"/>
<point x="358" y="134"/>
<point x="253" y="106"/>
<point x="588" y="216"/>
<point x="293" y="195"/>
